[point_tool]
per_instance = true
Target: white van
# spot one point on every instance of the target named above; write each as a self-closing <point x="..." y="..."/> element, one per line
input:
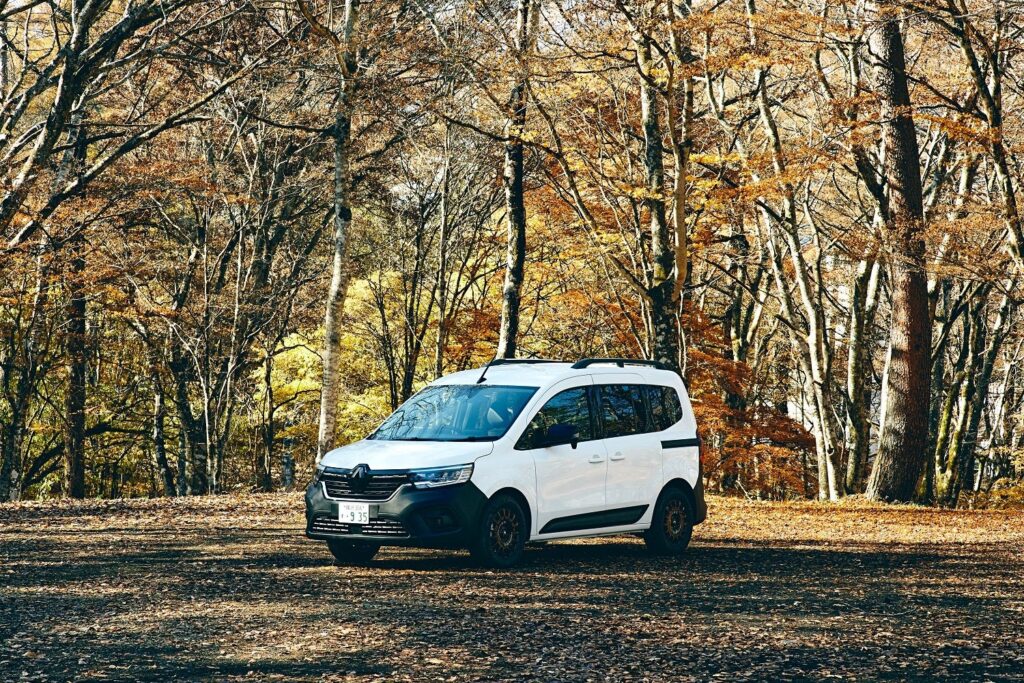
<point x="519" y="451"/>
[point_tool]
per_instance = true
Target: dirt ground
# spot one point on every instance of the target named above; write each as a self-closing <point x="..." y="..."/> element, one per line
<point x="227" y="588"/>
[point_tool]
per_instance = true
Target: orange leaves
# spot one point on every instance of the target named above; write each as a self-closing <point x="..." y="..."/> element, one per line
<point x="749" y="442"/>
<point x="962" y="128"/>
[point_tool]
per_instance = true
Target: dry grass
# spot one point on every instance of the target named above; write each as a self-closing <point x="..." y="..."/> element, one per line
<point x="227" y="588"/>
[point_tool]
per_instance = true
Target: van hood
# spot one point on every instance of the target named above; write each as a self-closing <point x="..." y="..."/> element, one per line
<point x="406" y="455"/>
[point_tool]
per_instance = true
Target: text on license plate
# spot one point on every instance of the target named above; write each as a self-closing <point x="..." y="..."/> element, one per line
<point x="353" y="513"/>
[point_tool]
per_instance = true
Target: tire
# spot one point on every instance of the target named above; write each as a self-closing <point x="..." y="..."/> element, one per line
<point x="501" y="537"/>
<point x="347" y="552"/>
<point x="672" y="523"/>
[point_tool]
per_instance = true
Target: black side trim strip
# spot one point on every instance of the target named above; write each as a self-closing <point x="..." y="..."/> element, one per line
<point x="680" y="443"/>
<point x="596" y="520"/>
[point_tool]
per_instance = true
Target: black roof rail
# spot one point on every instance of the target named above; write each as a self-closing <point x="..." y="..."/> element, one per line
<point x="524" y="361"/>
<point x="621" y="362"/>
<point x="513" y="361"/>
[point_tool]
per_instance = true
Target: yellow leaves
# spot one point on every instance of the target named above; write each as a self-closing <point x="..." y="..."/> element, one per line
<point x="529" y="136"/>
<point x="754" y="61"/>
<point x="1005" y="495"/>
<point x="296" y="365"/>
<point x="643" y="193"/>
<point x="359" y="414"/>
<point x="717" y="158"/>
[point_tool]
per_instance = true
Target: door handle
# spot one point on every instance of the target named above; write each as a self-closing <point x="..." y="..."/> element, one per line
<point x="617" y="456"/>
<point x="596" y="459"/>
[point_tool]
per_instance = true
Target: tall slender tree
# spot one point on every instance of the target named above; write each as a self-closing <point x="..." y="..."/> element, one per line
<point x="525" y="38"/>
<point x="903" y="441"/>
<point x="343" y="39"/>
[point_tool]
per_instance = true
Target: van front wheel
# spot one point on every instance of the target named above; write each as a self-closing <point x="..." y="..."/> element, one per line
<point x="672" y="523"/>
<point x="501" y="537"/>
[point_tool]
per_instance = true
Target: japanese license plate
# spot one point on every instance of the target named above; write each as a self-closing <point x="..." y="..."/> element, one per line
<point x="353" y="513"/>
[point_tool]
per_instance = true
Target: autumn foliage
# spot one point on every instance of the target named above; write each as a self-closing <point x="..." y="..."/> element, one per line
<point x="702" y="184"/>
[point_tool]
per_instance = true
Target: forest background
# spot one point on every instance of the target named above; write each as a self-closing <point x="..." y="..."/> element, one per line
<point x="234" y="234"/>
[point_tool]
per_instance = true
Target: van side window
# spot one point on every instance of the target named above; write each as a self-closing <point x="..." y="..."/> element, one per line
<point x="622" y="410"/>
<point x="567" y="407"/>
<point x="665" y="406"/>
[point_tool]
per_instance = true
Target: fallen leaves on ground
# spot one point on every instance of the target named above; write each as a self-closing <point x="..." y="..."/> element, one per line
<point x="227" y="588"/>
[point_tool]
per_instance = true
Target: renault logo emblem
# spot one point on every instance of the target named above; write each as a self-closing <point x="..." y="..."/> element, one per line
<point x="359" y="478"/>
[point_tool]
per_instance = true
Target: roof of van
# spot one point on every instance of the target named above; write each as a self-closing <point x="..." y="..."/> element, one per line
<point x="541" y="374"/>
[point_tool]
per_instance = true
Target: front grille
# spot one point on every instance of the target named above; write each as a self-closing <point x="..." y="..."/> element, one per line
<point x="379" y="486"/>
<point x="375" y="527"/>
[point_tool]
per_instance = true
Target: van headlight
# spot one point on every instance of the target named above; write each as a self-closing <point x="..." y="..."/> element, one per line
<point x="441" y="476"/>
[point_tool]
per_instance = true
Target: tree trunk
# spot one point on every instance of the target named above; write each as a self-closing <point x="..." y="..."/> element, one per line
<point x="344" y="45"/>
<point x="183" y="483"/>
<point x="266" y="482"/>
<point x="336" y="294"/>
<point x="816" y="355"/>
<point x="75" y="345"/>
<point x="989" y="355"/>
<point x="680" y="128"/>
<point x="939" y="306"/>
<point x="10" y="464"/>
<point x="76" y="349"/>
<point x="417" y="315"/>
<point x="28" y="371"/>
<point x="960" y="371"/>
<point x="5" y="62"/>
<point x="958" y="401"/>
<point x="663" y="292"/>
<point x="858" y="393"/>
<point x="196" y="449"/>
<point x="512" y="178"/>
<point x="813" y="359"/>
<point x="902" y="444"/>
<point x="160" y="442"/>
<point x="442" y="255"/>
<point x="287" y="465"/>
<point x="926" y="491"/>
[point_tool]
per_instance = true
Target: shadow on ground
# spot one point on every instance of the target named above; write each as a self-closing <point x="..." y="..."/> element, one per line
<point x="168" y="602"/>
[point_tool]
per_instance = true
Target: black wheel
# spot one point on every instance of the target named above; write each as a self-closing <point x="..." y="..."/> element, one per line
<point x="672" y="524"/>
<point x="501" y="537"/>
<point x="346" y="552"/>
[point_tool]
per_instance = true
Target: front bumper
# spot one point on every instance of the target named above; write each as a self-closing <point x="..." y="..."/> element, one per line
<point x="442" y="517"/>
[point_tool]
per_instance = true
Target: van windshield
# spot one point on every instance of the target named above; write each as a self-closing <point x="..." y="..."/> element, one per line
<point x="456" y="412"/>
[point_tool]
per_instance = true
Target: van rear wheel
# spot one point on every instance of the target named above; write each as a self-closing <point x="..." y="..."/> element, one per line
<point x="501" y="538"/>
<point x="672" y="523"/>
<point x="347" y="552"/>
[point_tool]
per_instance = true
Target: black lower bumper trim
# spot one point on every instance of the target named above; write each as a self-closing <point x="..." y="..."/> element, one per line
<point x="378" y="528"/>
<point x="442" y="517"/>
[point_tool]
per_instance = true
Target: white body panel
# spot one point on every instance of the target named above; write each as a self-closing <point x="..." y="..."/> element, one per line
<point x="569" y="481"/>
<point x="560" y="481"/>
<point x="634" y="461"/>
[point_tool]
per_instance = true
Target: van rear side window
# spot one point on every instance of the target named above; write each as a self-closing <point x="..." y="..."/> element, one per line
<point x="622" y="410"/>
<point x="665" y="406"/>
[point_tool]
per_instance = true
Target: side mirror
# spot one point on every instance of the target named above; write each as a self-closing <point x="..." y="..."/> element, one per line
<point x="561" y="434"/>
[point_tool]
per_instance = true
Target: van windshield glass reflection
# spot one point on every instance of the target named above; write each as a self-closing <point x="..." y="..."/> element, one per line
<point x="456" y="412"/>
